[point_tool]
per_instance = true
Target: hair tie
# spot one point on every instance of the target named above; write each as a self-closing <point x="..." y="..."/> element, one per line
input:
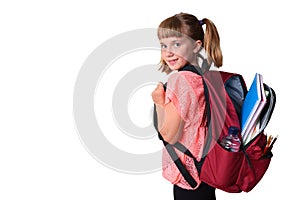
<point x="200" y="22"/>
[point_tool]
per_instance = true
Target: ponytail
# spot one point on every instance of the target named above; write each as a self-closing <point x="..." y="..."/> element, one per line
<point x="211" y="43"/>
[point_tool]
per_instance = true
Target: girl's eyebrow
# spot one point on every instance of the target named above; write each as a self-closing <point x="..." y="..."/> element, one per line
<point x="173" y="41"/>
<point x="177" y="40"/>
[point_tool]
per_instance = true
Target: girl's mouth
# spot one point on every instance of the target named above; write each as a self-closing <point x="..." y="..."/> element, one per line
<point x="172" y="62"/>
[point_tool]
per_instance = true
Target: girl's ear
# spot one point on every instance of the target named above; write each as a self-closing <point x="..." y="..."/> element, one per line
<point x="197" y="46"/>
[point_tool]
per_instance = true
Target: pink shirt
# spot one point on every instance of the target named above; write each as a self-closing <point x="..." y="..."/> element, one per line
<point x="185" y="90"/>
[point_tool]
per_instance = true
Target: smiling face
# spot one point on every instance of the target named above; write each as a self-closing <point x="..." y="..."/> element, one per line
<point x="179" y="51"/>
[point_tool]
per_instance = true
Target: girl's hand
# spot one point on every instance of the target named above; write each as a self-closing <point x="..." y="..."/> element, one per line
<point x="158" y="95"/>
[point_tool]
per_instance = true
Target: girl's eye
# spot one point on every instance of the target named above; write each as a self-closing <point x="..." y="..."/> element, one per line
<point x="163" y="46"/>
<point x="177" y="44"/>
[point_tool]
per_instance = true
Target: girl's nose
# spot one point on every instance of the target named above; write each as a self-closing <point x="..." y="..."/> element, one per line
<point x="169" y="53"/>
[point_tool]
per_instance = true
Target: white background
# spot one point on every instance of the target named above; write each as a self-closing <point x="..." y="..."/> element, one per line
<point x="42" y="48"/>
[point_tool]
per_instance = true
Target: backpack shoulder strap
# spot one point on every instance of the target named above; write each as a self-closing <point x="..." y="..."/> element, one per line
<point x="171" y="148"/>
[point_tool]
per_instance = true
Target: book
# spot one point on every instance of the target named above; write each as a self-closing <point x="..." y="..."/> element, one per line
<point x="254" y="102"/>
<point x="255" y="122"/>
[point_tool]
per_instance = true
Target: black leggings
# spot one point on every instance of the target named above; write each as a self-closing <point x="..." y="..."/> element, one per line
<point x="203" y="192"/>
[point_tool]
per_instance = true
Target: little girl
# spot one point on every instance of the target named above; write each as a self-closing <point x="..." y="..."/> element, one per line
<point x="181" y="108"/>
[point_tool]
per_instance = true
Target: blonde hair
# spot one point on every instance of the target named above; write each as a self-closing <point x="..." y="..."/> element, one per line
<point x="186" y="24"/>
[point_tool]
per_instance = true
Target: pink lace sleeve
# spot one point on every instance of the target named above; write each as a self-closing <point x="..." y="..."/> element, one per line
<point x="183" y="91"/>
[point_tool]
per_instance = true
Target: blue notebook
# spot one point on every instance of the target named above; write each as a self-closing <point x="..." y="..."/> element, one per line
<point x="252" y="106"/>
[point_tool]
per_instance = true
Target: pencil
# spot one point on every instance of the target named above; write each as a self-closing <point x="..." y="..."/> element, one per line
<point x="269" y="146"/>
<point x="272" y="143"/>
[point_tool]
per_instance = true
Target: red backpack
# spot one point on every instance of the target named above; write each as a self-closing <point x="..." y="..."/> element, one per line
<point x="229" y="171"/>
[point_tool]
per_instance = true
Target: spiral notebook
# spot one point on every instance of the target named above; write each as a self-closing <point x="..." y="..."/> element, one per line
<point x="254" y="102"/>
